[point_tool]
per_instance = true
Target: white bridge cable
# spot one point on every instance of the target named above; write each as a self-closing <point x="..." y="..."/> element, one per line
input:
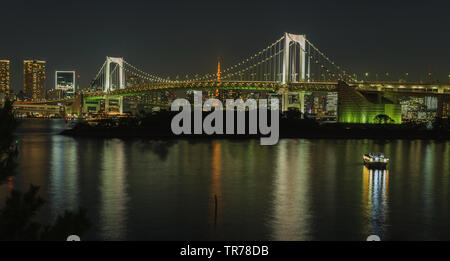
<point x="245" y="61"/>
<point x="275" y="55"/>
<point x="147" y="74"/>
<point x="329" y="60"/>
<point x="144" y="77"/>
<point x="99" y="73"/>
<point x="237" y="65"/>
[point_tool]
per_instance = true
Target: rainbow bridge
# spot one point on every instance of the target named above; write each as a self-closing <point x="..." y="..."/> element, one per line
<point x="288" y="67"/>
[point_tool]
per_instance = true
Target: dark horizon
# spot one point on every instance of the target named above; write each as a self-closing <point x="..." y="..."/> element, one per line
<point x="178" y="38"/>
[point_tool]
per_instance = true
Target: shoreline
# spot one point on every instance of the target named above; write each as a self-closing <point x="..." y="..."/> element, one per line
<point x="313" y="133"/>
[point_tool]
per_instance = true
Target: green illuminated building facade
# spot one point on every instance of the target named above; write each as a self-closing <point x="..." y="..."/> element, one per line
<point x="357" y="107"/>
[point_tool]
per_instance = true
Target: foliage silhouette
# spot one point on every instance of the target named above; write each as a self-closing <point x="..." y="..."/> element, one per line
<point x="20" y="209"/>
<point x="17" y="219"/>
<point x="8" y="147"/>
<point x="383" y="119"/>
<point x="17" y="215"/>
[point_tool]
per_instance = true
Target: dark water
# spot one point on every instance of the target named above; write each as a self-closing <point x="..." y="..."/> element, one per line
<point x="297" y="190"/>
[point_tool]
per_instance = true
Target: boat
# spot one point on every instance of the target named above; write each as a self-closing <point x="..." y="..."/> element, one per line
<point x="375" y="160"/>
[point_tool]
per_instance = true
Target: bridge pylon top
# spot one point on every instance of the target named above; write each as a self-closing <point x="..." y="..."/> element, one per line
<point x="299" y="38"/>
<point x="118" y="60"/>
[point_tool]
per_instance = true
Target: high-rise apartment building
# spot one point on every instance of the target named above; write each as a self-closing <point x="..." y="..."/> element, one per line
<point x="34" y="79"/>
<point x="5" y="77"/>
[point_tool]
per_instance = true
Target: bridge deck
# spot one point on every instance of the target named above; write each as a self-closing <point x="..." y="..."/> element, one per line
<point x="395" y="87"/>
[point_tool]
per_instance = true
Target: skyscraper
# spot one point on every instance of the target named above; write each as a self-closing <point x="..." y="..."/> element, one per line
<point x="34" y="79"/>
<point x="4" y="77"/>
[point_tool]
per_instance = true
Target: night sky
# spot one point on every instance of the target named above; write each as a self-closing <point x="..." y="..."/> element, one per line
<point x="178" y="37"/>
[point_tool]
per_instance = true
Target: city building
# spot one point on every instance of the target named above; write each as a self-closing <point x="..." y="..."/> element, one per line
<point x="55" y="94"/>
<point x="4" y="77"/>
<point x="419" y="109"/>
<point x="332" y="103"/>
<point x="65" y="81"/>
<point x="34" y="77"/>
<point x="446" y="109"/>
<point x="359" y="107"/>
<point x="321" y="105"/>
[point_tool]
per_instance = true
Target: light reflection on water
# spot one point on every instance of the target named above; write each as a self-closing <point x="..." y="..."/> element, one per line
<point x="113" y="189"/>
<point x="375" y="200"/>
<point x="291" y="210"/>
<point x="296" y="190"/>
<point x="63" y="175"/>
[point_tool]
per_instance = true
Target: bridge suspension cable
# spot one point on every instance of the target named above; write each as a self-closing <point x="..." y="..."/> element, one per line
<point x="142" y="74"/>
<point x="344" y="75"/>
<point x="267" y="64"/>
<point x="261" y="70"/>
<point x="97" y="79"/>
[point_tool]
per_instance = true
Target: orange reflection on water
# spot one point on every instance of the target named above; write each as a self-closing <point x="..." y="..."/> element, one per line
<point x="216" y="183"/>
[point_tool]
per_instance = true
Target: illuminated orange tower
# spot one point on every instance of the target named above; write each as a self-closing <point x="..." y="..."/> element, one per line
<point x="218" y="76"/>
<point x="218" y="70"/>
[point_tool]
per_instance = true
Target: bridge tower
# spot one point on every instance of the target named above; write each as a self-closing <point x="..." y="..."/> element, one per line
<point x="119" y="62"/>
<point x="293" y="99"/>
<point x="121" y="84"/>
<point x="301" y="40"/>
